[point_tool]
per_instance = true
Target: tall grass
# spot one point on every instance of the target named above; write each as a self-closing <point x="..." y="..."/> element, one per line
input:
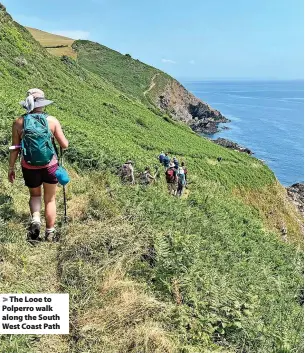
<point x="146" y="272"/>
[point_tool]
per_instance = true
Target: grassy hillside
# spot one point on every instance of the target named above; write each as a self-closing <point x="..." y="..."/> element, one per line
<point x="127" y="74"/>
<point x="146" y="272"/>
<point x="137" y="80"/>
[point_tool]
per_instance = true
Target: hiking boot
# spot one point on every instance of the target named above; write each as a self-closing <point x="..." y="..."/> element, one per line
<point x="50" y="236"/>
<point x="34" y="231"/>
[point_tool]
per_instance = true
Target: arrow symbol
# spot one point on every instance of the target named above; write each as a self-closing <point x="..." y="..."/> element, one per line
<point x="5" y="299"/>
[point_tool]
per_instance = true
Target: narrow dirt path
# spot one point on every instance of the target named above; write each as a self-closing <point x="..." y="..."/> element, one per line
<point x="35" y="271"/>
<point x="44" y="264"/>
<point x="25" y="268"/>
<point x="152" y="84"/>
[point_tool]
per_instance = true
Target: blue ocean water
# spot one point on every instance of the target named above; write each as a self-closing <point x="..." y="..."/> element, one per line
<point x="267" y="117"/>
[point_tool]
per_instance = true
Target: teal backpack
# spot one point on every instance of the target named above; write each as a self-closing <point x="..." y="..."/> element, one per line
<point x="36" y="144"/>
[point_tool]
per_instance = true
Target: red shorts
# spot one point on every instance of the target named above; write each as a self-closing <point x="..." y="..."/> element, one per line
<point x="35" y="177"/>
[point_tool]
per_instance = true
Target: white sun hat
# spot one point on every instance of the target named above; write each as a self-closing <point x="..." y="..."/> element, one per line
<point x="35" y="99"/>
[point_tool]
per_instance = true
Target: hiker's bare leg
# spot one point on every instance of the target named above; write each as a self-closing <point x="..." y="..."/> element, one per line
<point x="175" y="189"/>
<point x="35" y="203"/>
<point x="49" y="193"/>
<point x="169" y="188"/>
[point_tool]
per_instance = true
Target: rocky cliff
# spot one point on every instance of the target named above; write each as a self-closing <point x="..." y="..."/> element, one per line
<point x="296" y="194"/>
<point x="184" y="106"/>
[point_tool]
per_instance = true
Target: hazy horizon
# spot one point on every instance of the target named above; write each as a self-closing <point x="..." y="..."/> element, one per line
<point x="234" y="79"/>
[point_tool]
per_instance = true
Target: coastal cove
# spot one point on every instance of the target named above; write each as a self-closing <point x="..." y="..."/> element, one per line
<point x="266" y="117"/>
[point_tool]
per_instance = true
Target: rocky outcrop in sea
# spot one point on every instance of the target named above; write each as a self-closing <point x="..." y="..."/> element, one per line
<point x="232" y="145"/>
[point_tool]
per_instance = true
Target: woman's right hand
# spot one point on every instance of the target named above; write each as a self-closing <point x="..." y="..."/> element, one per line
<point x="11" y="175"/>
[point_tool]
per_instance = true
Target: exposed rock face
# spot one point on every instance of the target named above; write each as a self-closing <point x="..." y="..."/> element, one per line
<point x="233" y="145"/>
<point x="296" y="195"/>
<point x="207" y="126"/>
<point x="184" y="106"/>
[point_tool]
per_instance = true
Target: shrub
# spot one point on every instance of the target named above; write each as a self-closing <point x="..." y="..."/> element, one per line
<point x="20" y="61"/>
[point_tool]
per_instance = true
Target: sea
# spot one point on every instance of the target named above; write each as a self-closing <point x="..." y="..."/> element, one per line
<point x="266" y="116"/>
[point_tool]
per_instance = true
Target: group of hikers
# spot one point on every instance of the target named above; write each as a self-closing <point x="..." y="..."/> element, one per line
<point x="175" y="174"/>
<point x="33" y="138"/>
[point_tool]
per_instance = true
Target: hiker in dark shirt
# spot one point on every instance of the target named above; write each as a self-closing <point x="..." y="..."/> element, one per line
<point x="176" y="162"/>
<point x="166" y="161"/>
<point x="161" y="157"/>
<point x="171" y="179"/>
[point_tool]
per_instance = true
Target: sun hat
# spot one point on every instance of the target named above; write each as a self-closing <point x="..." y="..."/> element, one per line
<point x="35" y="99"/>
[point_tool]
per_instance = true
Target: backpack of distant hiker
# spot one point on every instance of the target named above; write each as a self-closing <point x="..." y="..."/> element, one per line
<point x="36" y="144"/>
<point x="166" y="161"/>
<point x="126" y="169"/>
<point x="145" y="178"/>
<point x="181" y="176"/>
<point x="170" y="175"/>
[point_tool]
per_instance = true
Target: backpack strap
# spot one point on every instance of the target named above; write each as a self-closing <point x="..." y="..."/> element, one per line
<point x="23" y="149"/>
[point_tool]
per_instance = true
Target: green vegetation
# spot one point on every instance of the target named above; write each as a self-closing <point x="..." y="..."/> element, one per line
<point x="129" y="75"/>
<point x="146" y="272"/>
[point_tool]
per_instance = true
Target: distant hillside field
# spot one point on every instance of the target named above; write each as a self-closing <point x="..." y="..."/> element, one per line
<point x="146" y="272"/>
<point x="51" y="41"/>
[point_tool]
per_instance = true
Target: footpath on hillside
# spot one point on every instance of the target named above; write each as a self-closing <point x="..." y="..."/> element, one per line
<point x="36" y="271"/>
<point x="152" y="85"/>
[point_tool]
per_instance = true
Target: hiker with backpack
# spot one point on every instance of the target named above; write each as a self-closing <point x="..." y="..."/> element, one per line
<point x="147" y="177"/>
<point x="171" y="179"/>
<point x="127" y="172"/>
<point x="181" y="181"/>
<point x="166" y="161"/>
<point x="176" y="162"/>
<point x="33" y="136"/>
<point x="185" y="172"/>
<point x="161" y="157"/>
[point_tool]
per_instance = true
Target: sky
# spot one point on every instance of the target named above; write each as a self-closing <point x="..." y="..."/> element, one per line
<point x="194" y="39"/>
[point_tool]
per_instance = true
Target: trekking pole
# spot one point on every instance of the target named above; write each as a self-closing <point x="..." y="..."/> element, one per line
<point x="64" y="188"/>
